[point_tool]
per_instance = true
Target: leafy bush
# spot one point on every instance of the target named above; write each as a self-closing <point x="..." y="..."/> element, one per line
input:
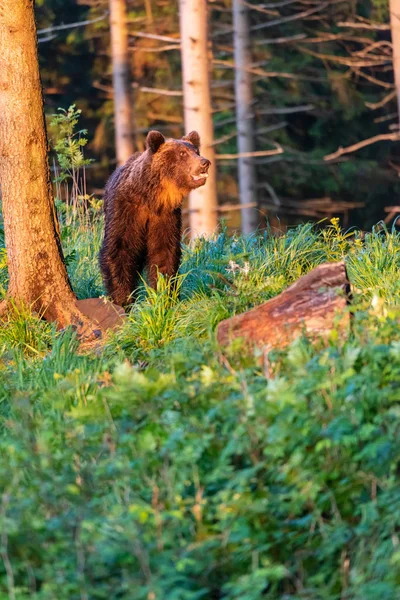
<point x="162" y="469"/>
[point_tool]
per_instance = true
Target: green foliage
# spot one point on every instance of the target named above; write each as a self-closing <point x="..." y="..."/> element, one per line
<point x="69" y="142"/>
<point x="24" y="332"/>
<point x="82" y="246"/>
<point x="159" y="469"/>
<point x="380" y="10"/>
<point x="3" y="271"/>
<point x="72" y="198"/>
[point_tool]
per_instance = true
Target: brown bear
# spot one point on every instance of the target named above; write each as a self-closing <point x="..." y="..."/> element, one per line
<point x="142" y="209"/>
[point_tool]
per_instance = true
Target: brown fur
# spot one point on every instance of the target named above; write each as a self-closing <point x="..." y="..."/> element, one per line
<point x="142" y="208"/>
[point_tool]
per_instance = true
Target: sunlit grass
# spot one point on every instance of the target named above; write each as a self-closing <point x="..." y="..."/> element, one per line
<point x="218" y="277"/>
<point x="213" y="471"/>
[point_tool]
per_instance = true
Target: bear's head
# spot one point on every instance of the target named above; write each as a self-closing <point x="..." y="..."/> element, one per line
<point x="178" y="161"/>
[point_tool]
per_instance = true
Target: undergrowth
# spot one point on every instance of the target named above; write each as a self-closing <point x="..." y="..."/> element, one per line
<point x="163" y="468"/>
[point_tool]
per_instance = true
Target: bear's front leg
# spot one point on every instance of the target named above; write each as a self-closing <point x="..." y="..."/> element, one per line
<point x="164" y="245"/>
<point x="121" y="264"/>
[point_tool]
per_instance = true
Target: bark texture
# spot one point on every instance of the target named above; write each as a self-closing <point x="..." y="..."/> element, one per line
<point x="244" y="116"/>
<point x="38" y="276"/>
<point x="123" y="98"/>
<point x="197" y="108"/>
<point x="394" y="6"/>
<point x="311" y="304"/>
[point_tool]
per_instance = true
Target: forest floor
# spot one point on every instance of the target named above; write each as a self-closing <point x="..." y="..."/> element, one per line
<point x="160" y="468"/>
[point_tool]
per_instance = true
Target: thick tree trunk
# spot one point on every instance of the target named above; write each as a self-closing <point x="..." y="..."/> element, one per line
<point x="394" y="6"/>
<point x="244" y="116"/>
<point x="312" y="305"/>
<point x="37" y="271"/>
<point x="123" y="99"/>
<point x="197" y="109"/>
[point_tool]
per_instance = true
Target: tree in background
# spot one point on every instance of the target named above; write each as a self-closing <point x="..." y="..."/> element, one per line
<point x="395" y="28"/>
<point x="197" y="108"/>
<point x="121" y="69"/>
<point x="244" y="117"/>
<point x="38" y="277"/>
<point x="321" y="79"/>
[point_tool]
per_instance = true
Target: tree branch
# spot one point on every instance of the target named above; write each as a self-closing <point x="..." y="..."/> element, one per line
<point x="224" y="138"/>
<point x="389" y="117"/>
<point x="160" y="91"/>
<point x="348" y="62"/>
<point x="234" y="207"/>
<point x="260" y="72"/>
<point x="384" y="137"/>
<point x="295" y="17"/>
<point x="153" y="36"/>
<point x="281" y="40"/>
<point x="373" y="46"/>
<point x="165" y="118"/>
<point x="286" y="110"/>
<point x="385" y="100"/>
<point x="260" y="8"/>
<point x="160" y="49"/>
<point x="279" y="4"/>
<point x="323" y="36"/>
<point x="278" y="150"/>
<point x="46" y="38"/>
<point x="279" y="21"/>
<point x="370" y="26"/>
<point x="270" y="128"/>
<point x="384" y="84"/>
<point x="71" y="25"/>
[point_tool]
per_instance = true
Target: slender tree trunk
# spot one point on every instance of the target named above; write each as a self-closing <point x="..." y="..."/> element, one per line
<point x="197" y="108"/>
<point x="38" y="276"/>
<point x="394" y="6"/>
<point x="149" y="12"/>
<point x="244" y="115"/>
<point x="123" y="99"/>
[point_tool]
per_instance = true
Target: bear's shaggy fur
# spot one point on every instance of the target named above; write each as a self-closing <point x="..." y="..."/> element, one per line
<point x="142" y="209"/>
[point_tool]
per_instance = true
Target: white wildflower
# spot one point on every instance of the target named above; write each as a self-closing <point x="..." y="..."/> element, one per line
<point x="246" y="268"/>
<point x="233" y="267"/>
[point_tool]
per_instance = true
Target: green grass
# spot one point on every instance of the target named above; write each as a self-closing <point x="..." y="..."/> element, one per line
<point x="161" y="469"/>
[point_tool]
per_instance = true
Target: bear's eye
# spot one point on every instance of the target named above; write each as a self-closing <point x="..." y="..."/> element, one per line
<point x="182" y="153"/>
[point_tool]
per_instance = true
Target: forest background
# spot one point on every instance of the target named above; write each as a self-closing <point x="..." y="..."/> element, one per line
<point x="322" y="78"/>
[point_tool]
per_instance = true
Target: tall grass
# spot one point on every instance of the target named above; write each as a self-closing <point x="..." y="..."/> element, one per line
<point x="159" y="467"/>
<point x="219" y="277"/>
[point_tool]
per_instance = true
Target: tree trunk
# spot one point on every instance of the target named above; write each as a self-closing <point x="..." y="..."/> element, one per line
<point x="244" y="116"/>
<point x="311" y="304"/>
<point x="38" y="276"/>
<point x="394" y="6"/>
<point x="123" y="100"/>
<point x="149" y="12"/>
<point x="197" y="109"/>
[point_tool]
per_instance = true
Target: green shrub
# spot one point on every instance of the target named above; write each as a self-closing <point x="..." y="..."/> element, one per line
<point x="160" y="469"/>
<point x="190" y="480"/>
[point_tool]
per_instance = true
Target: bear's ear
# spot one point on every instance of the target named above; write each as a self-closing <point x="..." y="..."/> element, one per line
<point x="154" y="140"/>
<point x="194" y="138"/>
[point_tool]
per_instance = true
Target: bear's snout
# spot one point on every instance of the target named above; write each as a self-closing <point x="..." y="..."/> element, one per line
<point x="201" y="173"/>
